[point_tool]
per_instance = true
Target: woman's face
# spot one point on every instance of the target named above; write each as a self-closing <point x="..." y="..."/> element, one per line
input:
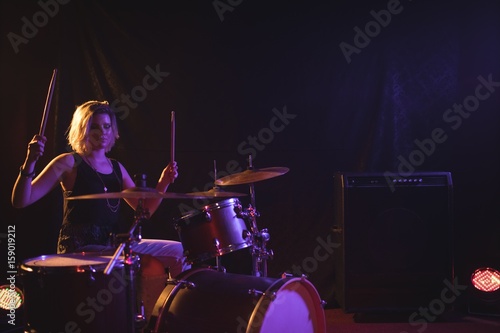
<point x="101" y="131"/>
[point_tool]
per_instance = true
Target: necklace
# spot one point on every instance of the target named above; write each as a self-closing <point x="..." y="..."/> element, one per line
<point x="112" y="208"/>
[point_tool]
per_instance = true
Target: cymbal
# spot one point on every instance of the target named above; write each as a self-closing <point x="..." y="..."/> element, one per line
<point x="132" y="193"/>
<point x="150" y="193"/>
<point x="251" y="176"/>
<point x="215" y="193"/>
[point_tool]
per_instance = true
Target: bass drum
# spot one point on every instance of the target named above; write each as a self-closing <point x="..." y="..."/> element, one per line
<point x="206" y="300"/>
<point x="71" y="293"/>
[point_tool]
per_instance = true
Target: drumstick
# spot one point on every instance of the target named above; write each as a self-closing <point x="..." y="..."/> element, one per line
<point x="47" y="102"/>
<point x="172" y="137"/>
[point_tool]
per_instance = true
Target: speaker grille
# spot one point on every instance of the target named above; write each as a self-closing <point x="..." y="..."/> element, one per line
<point x="395" y="236"/>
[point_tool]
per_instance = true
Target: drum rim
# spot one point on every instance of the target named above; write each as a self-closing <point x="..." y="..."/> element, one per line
<point x="167" y="296"/>
<point x="262" y="307"/>
<point x="213" y="254"/>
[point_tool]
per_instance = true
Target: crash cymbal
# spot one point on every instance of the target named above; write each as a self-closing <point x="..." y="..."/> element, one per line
<point x="251" y="176"/>
<point x="133" y="193"/>
<point x="215" y="193"/>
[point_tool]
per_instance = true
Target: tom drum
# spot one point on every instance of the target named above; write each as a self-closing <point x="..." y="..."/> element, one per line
<point x="215" y="230"/>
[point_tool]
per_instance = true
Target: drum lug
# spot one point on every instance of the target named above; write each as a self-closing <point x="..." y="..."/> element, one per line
<point x="207" y="216"/>
<point x="238" y="209"/>
<point x="92" y="271"/>
<point x="217" y="246"/>
<point x="286" y="275"/>
<point x="257" y="293"/>
<point x="182" y="283"/>
<point x="246" y="235"/>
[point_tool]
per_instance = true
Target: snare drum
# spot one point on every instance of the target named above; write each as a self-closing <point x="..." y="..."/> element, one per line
<point x="71" y="293"/>
<point x="214" y="231"/>
<point x="207" y="300"/>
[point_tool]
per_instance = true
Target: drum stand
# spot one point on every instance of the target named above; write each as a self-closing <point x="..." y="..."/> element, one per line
<point x="135" y="320"/>
<point x="260" y="254"/>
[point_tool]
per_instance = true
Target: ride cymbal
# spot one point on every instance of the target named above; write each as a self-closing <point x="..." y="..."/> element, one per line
<point x="251" y="176"/>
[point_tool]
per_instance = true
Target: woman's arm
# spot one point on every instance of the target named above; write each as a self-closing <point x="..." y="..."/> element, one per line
<point x="29" y="188"/>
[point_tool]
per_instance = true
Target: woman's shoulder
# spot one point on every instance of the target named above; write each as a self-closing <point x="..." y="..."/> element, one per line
<point x="114" y="161"/>
<point x="65" y="160"/>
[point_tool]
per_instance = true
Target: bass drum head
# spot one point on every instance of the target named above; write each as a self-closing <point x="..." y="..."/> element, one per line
<point x="296" y="307"/>
<point x="206" y="300"/>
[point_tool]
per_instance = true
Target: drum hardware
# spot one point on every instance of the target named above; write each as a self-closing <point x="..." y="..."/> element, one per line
<point x="285" y="275"/>
<point x="136" y="317"/>
<point x="181" y="283"/>
<point x="258" y="294"/>
<point x="92" y="271"/>
<point x="218" y="265"/>
<point x="260" y="253"/>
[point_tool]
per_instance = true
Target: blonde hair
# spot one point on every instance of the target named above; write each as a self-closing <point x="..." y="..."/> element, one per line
<point x="79" y="130"/>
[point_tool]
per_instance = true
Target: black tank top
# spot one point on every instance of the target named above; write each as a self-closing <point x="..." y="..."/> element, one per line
<point x="90" y="221"/>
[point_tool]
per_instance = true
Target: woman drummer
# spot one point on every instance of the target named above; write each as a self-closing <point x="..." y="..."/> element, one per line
<point x="89" y="225"/>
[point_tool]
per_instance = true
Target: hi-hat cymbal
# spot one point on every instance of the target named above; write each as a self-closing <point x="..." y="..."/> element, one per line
<point x="251" y="176"/>
<point x="215" y="193"/>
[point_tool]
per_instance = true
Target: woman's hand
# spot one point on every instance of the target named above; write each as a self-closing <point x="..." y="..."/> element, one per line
<point x="170" y="173"/>
<point x="36" y="148"/>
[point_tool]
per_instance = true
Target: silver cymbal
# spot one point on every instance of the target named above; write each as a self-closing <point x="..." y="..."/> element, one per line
<point x="150" y="193"/>
<point x="132" y="193"/>
<point x="215" y="193"/>
<point x="251" y="176"/>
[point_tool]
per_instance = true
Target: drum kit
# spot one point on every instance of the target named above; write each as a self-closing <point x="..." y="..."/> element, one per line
<point x="85" y="292"/>
<point x="219" y="228"/>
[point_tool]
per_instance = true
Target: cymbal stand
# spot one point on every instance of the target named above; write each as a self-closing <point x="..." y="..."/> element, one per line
<point x="127" y="240"/>
<point x="260" y="254"/>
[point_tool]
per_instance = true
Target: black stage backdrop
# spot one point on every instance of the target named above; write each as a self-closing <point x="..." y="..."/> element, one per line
<point x="318" y="87"/>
